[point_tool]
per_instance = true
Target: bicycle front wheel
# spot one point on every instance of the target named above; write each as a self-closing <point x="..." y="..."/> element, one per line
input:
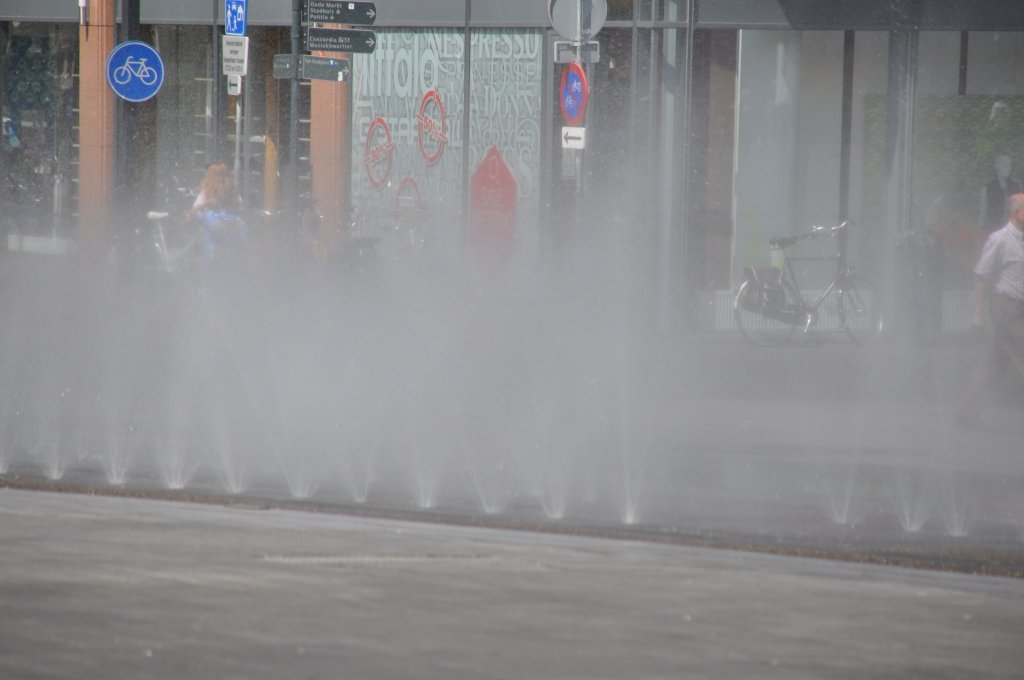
<point x="122" y="74"/>
<point x="755" y="327"/>
<point x="860" y="310"/>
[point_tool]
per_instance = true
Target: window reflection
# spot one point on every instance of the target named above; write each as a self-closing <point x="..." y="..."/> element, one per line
<point x="38" y="156"/>
<point x="619" y="10"/>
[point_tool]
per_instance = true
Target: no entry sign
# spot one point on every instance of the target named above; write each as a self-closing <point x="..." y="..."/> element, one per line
<point x="574" y="93"/>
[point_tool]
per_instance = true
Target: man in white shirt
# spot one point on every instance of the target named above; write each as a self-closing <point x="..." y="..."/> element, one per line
<point x="998" y="294"/>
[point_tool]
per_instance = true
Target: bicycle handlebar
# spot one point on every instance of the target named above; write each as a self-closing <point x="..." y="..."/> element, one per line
<point x="832" y="230"/>
<point x="787" y="241"/>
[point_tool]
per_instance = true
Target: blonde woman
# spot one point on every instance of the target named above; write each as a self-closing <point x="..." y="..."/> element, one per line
<point x="215" y="209"/>
<point x="216" y="191"/>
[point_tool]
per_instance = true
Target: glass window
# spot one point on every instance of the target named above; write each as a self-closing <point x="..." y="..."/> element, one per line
<point x="506" y="92"/>
<point x="190" y="133"/>
<point x="184" y="109"/>
<point x="672" y="10"/>
<point x="408" y="136"/>
<point x="788" y="126"/>
<point x="968" y="146"/>
<point x="619" y="107"/>
<point x="993" y="124"/>
<point x="944" y="177"/>
<point x="644" y="10"/>
<point x="38" y="155"/>
<point x="995" y="63"/>
<point x="620" y="10"/>
<point x="867" y="145"/>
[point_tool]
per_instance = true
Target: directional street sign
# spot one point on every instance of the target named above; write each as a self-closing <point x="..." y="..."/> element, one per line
<point x="337" y="12"/>
<point x="284" y="66"/>
<point x="574" y="137"/>
<point x="235" y="19"/>
<point x="339" y="40"/>
<point x="324" y="68"/>
<point x="313" y="68"/>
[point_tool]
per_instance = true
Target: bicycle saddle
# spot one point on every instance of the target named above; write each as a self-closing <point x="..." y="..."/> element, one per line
<point x="783" y="241"/>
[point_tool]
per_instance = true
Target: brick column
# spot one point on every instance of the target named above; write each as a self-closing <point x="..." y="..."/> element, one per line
<point x="271" y="180"/>
<point x="329" y="154"/>
<point x="96" y="124"/>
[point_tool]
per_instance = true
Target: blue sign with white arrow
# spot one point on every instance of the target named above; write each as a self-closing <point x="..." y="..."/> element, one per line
<point x="235" y="19"/>
<point x="135" y="71"/>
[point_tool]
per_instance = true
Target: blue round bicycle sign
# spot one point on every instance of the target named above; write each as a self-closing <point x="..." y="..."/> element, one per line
<point x="135" y="71"/>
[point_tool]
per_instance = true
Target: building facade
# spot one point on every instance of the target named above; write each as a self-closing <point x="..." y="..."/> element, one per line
<point x="711" y="126"/>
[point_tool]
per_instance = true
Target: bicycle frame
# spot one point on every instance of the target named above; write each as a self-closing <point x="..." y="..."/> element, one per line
<point x="842" y="272"/>
<point x="774" y="294"/>
<point x="170" y="259"/>
<point x="843" y="268"/>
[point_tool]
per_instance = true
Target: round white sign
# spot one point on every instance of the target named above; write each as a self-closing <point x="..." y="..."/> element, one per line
<point x="577" y="20"/>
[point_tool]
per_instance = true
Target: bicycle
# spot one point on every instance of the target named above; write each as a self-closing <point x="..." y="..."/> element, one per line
<point x="769" y="306"/>
<point x="170" y="257"/>
<point x="135" y="68"/>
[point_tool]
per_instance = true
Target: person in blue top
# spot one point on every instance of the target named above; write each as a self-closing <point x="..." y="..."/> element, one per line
<point x="222" y="230"/>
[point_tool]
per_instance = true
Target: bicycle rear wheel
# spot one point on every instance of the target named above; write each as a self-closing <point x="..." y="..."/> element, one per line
<point x="860" y="310"/>
<point x="755" y="327"/>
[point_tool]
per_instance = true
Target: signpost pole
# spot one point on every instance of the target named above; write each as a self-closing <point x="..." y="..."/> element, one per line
<point x="578" y="21"/>
<point x="293" y="112"/>
<point x="579" y="27"/>
<point x="236" y="64"/>
<point x="296" y="64"/>
<point x="217" y="95"/>
<point x="237" y="169"/>
<point x="246" y="144"/>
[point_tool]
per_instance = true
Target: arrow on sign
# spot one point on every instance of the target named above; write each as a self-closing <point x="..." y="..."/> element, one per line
<point x="312" y="68"/>
<point x="574" y="137"/>
<point x="339" y="40"/>
<point x="335" y="12"/>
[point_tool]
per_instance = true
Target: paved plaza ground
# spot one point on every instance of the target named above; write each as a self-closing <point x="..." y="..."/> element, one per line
<point x="104" y="587"/>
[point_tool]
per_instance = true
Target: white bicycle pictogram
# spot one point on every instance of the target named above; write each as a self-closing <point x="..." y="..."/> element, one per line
<point x="135" y="68"/>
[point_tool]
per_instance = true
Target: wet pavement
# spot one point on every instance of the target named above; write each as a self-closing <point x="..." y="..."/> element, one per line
<point x="96" y="586"/>
<point x="649" y="514"/>
<point x="817" y="449"/>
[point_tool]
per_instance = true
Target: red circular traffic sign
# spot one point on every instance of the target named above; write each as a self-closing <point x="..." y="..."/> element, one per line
<point x="379" y="153"/>
<point x="433" y="133"/>
<point x="574" y="93"/>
